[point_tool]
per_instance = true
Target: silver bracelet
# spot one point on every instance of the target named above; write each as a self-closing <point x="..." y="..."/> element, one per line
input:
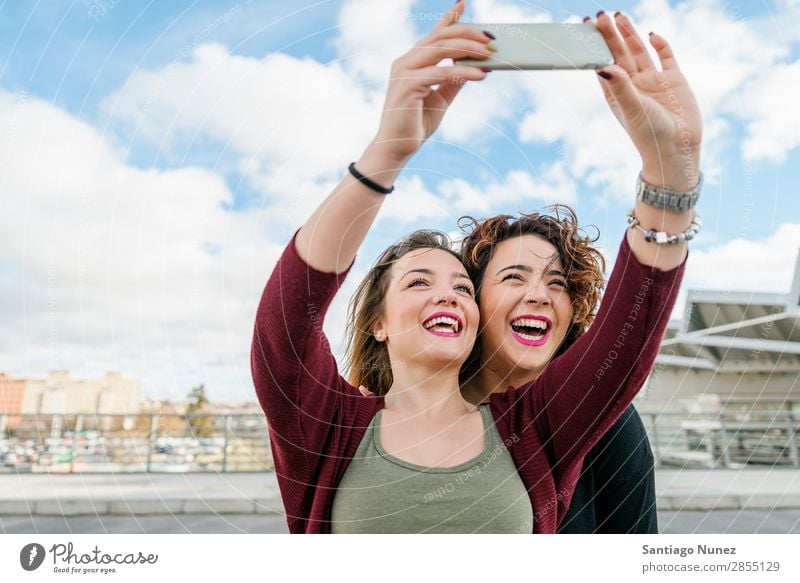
<point x="665" y="198"/>
<point x="662" y="238"/>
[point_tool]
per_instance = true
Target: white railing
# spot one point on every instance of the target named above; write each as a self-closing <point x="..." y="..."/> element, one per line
<point x="734" y="437"/>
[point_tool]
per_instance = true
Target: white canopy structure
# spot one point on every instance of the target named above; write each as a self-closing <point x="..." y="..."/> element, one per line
<point x="738" y="345"/>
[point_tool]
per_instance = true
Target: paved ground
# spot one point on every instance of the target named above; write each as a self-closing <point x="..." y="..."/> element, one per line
<point x="248" y="493"/>
<point x="732" y="501"/>
<point x="712" y="522"/>
<point x="191" y="523"/>
<point x="730" y="522"/>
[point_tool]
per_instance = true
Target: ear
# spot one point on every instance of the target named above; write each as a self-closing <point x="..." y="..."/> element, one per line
<point x="379" y="332"/>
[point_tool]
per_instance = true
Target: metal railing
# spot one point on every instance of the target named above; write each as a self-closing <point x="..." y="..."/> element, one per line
<point x="134" y="443"/>
<point x="240" y="442"/>
<point x="724" y="440"/>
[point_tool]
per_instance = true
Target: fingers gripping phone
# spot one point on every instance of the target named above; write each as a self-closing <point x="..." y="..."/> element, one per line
<point x="526" y="46"/>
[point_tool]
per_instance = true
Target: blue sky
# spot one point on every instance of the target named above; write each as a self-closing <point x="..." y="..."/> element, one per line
<point x="159" y="155"/>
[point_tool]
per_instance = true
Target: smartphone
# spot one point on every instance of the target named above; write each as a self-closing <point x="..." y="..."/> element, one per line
<point x="544" y="46"/>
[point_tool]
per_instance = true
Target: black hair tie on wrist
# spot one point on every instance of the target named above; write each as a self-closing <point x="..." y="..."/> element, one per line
<point x="367" y="182"/>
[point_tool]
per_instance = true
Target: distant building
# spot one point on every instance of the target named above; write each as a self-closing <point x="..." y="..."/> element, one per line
<point x="12" y="392"/>
<point x="60" y="394"/>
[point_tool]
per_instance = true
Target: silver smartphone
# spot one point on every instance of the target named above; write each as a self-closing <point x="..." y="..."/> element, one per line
<point x="544" y="46"/>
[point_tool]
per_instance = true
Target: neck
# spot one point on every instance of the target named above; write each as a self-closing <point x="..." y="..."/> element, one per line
<point x="489" y="380"/>
<point x="429" y="392"/>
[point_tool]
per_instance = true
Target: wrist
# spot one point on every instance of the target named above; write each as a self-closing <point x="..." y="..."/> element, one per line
<point x="380" y="164"/>
<point x="679" y="173"/>
<point x="384" y="154"/>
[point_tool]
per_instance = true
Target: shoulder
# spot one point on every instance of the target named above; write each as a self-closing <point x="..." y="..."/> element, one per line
<point x="628" y="426"/>
<point x="626" y="441"/>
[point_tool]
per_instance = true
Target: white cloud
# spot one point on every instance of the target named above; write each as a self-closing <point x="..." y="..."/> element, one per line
<point x="772" y="113"/>
<point x="506" y="12"/>
<point x="280" y="109"/>
<point x="414" y="203"/>
<point x="113" y="267"/>
<point x="737" y="72"/>
<point x="518" y="191"/>
<point x="765" y="265"/>
<point x="570" y="113"/>
<point x="785" y="11"/>
<point x="370" y="35"/>
<point x="482" y="112"/>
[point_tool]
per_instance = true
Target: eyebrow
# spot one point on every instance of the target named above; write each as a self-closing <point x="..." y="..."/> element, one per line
<point x="455" y="274"/>
<point x="529" y="269"/>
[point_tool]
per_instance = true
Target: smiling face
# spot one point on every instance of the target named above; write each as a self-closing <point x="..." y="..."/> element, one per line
<point x="429" y="312"/>
<point x="525" y="308"/>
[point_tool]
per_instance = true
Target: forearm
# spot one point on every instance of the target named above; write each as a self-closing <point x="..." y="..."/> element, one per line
<point x="682" y="176"/>
<point x="330" y="239"/>
<point x="586" y="389"/>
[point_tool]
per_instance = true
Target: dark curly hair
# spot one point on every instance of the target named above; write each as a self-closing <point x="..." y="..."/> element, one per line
<point x="583" y="263"/>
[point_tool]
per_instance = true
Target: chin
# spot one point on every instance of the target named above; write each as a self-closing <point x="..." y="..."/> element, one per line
<point x="447" y="355"/>
<point x="532" y="362"/>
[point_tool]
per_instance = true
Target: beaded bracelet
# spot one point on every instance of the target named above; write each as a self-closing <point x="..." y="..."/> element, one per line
<point x="662" y="238"/>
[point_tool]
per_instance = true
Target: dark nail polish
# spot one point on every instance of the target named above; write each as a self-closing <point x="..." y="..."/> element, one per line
<point x="599" y="14"/>
<point x="489" y="34"/>
<point x="486" y="70"/>
<point x="617" y="14"/>
<point x="605" y="75"/>
<point x="586" y="19"/>
<point x="650" y="33"/>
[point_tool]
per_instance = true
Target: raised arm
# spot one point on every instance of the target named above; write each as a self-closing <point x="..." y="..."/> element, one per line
<point x="296" y="378"/>
<point x="658" y="110"/>
<point x="412" y="112"/>
<point x="582" y="393"/>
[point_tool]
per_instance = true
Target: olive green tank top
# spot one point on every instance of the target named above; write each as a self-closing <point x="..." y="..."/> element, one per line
<point x="381" y="493"/>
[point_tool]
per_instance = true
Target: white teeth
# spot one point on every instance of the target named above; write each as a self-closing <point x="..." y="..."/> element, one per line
<point x="531" y="323"/>
<point x="531" y="337"/>
<point x="445" y="320"/>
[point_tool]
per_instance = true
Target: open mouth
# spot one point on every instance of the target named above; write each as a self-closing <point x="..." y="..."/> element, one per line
<point x="531" y="331"/>
<point x="443" y="324"/>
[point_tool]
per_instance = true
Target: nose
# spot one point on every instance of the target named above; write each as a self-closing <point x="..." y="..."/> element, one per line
<point x="449" y="298"/>
<point x="537" y="293"/>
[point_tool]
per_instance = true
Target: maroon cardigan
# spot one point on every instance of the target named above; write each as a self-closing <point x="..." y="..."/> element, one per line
<point x="317" y="419"/>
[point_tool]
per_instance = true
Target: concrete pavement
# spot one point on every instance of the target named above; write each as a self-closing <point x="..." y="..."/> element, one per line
<point x="257" y="493"/>
<point x="709" y="522"/>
